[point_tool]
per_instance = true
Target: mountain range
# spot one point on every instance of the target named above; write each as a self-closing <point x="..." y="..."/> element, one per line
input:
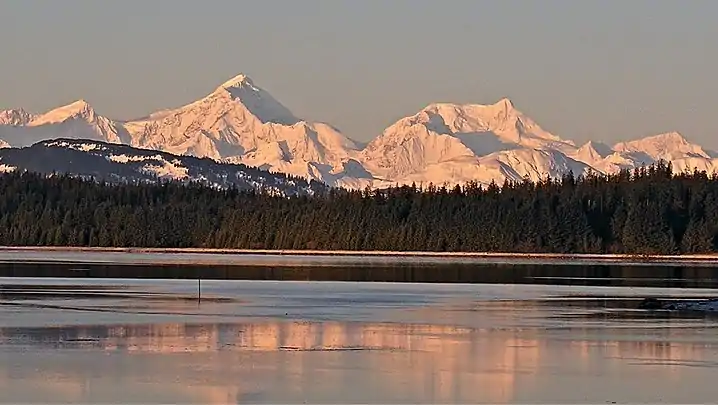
<point x="239" y="123"/>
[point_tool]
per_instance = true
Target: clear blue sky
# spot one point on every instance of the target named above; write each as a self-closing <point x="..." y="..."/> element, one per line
<point x="607" y="70"/>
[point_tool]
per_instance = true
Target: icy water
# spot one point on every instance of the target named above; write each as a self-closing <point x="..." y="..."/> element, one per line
<point x="459" y="270"/>
<point x="152" y="341"/>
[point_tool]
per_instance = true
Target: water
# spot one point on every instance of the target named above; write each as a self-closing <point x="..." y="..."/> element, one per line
<point x="94" y="340"/>
<point x="351" y="269"/>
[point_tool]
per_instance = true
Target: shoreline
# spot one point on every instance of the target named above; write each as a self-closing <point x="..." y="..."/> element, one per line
<point x="342" y="257"/>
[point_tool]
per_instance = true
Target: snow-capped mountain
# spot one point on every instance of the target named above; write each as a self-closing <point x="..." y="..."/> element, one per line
<point x="450" y="142"/>
<point x="121" y="163"/>
<point x="592" y="151"/>
<point x="241" y="123"/>
<point x="15" y="117"/>
<point x="76" y="120"/>
<point x="671" y="147"/>
<point x="668" y="146"/>
<point x="444" y="143"/>
<point x="237" y="123"/>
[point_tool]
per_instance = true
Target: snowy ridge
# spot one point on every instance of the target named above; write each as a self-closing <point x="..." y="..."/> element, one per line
<point x="76" y="120"/>
<point x="121" y="163"/>
<point x="15" y="117"/>
<point x="444" y="143"/>
<point x="668" y="146"/>
<point x="241" y="123"/>
<point x="78" y="109"/>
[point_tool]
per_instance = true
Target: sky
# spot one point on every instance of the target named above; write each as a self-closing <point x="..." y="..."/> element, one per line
<point x="605" y="70"/>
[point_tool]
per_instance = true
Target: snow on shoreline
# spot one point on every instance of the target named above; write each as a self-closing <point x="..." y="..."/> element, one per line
<point x="238" y="256"/>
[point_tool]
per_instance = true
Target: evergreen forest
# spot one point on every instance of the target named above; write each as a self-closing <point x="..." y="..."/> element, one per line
<point x="650" y="210"/>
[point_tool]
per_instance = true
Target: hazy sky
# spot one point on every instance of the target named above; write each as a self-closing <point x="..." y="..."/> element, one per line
<point x="607" y="70"/>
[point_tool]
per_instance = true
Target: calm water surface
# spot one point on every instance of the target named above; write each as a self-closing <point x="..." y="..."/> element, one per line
<point x="151" y="341"/>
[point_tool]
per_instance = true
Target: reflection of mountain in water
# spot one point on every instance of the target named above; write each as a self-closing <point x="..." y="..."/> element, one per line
<point x="220" y="363"/>
<point x="269" y="336"/>
<point x="425" y="359"/>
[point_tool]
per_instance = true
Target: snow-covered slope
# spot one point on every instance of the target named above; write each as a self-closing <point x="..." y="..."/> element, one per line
<point x="444" y="143"/>
<point x="591" y="152"/>
<point x="76" y="120"/>
<point x="15" y="117"/>
<point x="238" y="123"/>
<point x="242" y="123"/>
<point x="120" y="163"/>
<point x="450" y="143"/>
<point x="668" y="146"/>
<point x="512" y="165"/>
<point x="689" y="164"/>
<point x="671" y="147"/>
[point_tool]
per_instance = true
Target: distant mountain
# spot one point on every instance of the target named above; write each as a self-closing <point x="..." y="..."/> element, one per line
<point x="121" y="163"/>
<point x="15" y="117"/>
<point x="444" y="143"/>
<point x="671" y="147"/>
<point x="77" y="120"/>
<point x="668" y="146"/>
<point x="242" y="123"/>
<point x="450" y="143"/>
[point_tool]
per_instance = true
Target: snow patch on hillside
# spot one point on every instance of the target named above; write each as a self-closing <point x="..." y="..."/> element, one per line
<point x="165" y="169"/>
<point x="132" y="158"/>
<point x="85" y="147"/>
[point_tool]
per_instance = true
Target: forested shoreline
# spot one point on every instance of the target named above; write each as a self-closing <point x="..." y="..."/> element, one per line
<point x="646" y="211"/>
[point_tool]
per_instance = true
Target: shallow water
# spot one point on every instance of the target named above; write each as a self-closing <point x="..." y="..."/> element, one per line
<point x="355" y="269"/>
<point x="151" y="341"/>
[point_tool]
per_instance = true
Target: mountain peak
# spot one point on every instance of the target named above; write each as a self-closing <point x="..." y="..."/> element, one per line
<point x="78" y="108"/>
<point x="666" y="139"/>
<point x="670" y="136"/>
<point x="238" y="81"/>
<point x="15" y="117"/>
<point x="598" y="146"/>
<point x="593" y="151"/>
<point x="260" y="103"/>
<point x="505" y="103"/>
<point x="667" y="146"/>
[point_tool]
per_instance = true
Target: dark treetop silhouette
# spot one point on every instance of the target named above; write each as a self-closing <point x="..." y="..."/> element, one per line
<point x="648" y="211"/>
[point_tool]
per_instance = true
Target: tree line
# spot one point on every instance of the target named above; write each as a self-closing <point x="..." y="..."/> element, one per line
<point x="649" y="210"/>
